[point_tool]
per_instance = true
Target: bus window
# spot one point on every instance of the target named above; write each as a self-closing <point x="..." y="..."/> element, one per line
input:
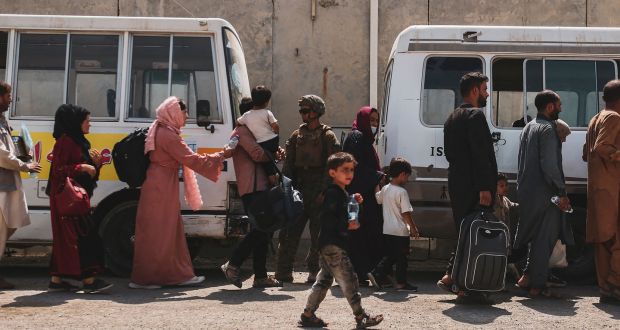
<point x="533" y="85"/>
<point x="93" y="65"/>
<point x="507" y="95"/>
<point x="149" y="75"/>
<point x="3" y="49"/>
<point x="441" y="86"/>
<point x="193" y="75"/>
<point x="238" y="81"/>
<point x="578" y="83"/>
<point x="40" y="74"/>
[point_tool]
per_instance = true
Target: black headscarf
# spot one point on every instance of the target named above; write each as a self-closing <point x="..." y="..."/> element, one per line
<point x="68" y="120"/>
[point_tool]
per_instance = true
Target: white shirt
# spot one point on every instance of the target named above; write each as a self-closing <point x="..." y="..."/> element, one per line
<point x="395" y="201"/>
<point x="259" y="122"/>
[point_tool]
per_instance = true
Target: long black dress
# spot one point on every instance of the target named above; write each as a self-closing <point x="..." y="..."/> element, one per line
<point x="366" y="242"/>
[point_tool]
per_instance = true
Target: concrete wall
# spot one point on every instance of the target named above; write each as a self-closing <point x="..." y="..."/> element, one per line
<point x="328" y="56"/>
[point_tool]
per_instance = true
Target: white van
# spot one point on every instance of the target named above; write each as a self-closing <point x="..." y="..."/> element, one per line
<point x="422" y="88"/>
<point x="121" y="69"/>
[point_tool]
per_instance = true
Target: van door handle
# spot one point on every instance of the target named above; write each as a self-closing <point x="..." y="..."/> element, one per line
<point x="211" y="128"/>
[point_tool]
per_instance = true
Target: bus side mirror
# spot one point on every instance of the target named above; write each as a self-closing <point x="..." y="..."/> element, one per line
<point x="203" y="112"/>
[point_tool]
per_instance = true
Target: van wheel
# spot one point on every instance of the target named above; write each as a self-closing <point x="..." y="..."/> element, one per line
<point x="117" y="231"/>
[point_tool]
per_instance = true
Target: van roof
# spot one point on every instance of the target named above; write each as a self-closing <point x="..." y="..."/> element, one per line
<point x="111" y="23"/>
<point x="506" y="35"/>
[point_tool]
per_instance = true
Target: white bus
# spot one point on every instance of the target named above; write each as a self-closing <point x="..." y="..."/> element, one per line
<point x="422" y="88"/>
<point x="121" y="68"/>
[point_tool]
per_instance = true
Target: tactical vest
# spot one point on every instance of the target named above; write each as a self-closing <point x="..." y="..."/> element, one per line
<point x="311" y="147"/>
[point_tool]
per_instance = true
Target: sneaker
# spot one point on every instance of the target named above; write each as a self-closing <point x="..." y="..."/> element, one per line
<point x="61" y="287"/>
<point x="311" y="322"/>
<point x="196" y="280"/>
<point x="408" y="287"/>
<point x="232" y="274"/>
<point x="368" y="321"/>
<point x="375" y="280"/>
<point x="133" y="285"/>
<point x="97" y="286"/>
<point x="311" y="277"/>
<point x="267" y="282"/>
<point x="555" y="282"/>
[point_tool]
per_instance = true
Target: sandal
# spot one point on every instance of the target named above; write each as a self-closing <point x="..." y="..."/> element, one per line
<point x="311" y="321"/>
<point x="368" y="321"/>
<point x="445" y="287"/>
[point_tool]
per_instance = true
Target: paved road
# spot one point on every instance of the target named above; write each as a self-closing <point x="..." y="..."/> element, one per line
<point x="222" y="306"/>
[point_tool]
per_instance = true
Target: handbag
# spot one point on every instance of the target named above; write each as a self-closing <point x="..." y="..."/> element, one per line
<point x="277" y="207"/>
<point x="558" y="256"/>
<point x="72" y="199"/>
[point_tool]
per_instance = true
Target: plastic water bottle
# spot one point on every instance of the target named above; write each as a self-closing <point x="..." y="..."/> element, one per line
<point x="353" y="208"/>
<point x="556" y="200"/>
<point x="232" y="143"/>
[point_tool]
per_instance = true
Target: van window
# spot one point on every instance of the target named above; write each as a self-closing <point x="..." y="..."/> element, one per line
<point x="441" y="95"/>
<point x="40" y="74"/>
<point x="386" y="93"/>
<point x="3" y="55"/>
<point x="507" y="94"/>
<point x="192" y="78"/>
<point x="93" y="65"/>
<point x="238" y="82"/>
<point x="576" y="82"/>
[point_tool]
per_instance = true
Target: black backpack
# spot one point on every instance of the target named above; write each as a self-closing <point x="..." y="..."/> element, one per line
<point x="130" y="162"/>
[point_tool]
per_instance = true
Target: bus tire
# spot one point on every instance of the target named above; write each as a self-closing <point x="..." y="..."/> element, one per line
<point x="117" y="214"/>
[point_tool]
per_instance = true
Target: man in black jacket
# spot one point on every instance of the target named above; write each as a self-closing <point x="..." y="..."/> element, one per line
<point x="468" y="146"/>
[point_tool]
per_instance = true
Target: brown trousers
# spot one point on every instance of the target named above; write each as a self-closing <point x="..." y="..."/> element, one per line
<point x="607" y="256"/>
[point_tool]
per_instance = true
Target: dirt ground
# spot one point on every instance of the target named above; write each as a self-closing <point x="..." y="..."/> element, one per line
<point x="218" y="305"/>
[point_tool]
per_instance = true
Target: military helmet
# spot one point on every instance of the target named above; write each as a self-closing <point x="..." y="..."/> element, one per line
<point x="314" y="102"/>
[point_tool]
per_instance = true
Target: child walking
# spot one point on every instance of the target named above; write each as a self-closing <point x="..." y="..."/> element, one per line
<point x="398" y="226"/>
<point x="264" y="126"/>
<point x="333" y="246"/>
<point x="501" y="209"/>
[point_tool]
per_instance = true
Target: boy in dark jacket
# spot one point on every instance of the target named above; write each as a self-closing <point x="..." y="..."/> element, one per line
<point x="333" y="246"/>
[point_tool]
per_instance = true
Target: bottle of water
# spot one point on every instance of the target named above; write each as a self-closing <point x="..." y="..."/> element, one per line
<point x="556" y="200"/>
<point x="353" y="208"/>
<point x="232" y="143"/>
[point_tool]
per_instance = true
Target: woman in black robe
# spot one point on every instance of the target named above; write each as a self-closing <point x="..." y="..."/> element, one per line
<point x="365" y="243"/>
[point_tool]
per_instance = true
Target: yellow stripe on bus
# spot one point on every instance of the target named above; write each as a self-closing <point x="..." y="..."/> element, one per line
<point x="103" y="142"/>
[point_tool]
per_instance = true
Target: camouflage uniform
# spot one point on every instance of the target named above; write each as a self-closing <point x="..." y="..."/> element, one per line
<point x="307" y="151"/>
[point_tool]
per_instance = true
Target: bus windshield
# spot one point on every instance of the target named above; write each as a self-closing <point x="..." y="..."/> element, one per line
<point x="238" y="82"/>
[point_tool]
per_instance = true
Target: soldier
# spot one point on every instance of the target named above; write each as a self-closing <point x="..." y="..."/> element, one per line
<point x="307" y="151"/>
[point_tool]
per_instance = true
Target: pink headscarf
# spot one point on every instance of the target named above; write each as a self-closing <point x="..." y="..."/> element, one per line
<point x="170" y="116"/>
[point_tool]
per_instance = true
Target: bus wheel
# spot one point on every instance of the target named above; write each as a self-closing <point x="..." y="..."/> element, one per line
<point x="117" y="231"/>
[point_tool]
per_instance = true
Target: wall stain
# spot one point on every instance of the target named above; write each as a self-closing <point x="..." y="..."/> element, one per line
<point x="328" y="3"/>
<point x="325" y="71"/>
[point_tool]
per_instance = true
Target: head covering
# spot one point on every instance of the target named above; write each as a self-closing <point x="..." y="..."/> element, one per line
<point x="562" y="129"/>
<point x="314" y="102"/>
<point x="170" y="116"/>
<point x="68" y="121"/>
<point x="362" y="122"/>
<point x="361" y="147"/>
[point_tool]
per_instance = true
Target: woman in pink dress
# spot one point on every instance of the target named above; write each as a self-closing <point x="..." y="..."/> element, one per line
<point x="161" y="256"/>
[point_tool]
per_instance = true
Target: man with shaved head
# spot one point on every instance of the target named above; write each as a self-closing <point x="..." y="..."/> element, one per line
<point x="602" y="152"/>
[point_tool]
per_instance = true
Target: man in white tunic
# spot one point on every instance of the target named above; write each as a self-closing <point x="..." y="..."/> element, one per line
<point x="13" y="208"/>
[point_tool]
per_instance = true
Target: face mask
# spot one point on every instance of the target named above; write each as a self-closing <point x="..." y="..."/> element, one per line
<point x="373" y="130"/>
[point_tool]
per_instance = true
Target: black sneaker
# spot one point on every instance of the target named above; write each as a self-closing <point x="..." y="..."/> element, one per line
<point x="97" y="286"/>
<point x="61" y="287"/>
<point x="408" y="287"/>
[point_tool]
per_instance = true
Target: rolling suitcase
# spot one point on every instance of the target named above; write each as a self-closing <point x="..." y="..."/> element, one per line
<point x="482" y="253"/>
